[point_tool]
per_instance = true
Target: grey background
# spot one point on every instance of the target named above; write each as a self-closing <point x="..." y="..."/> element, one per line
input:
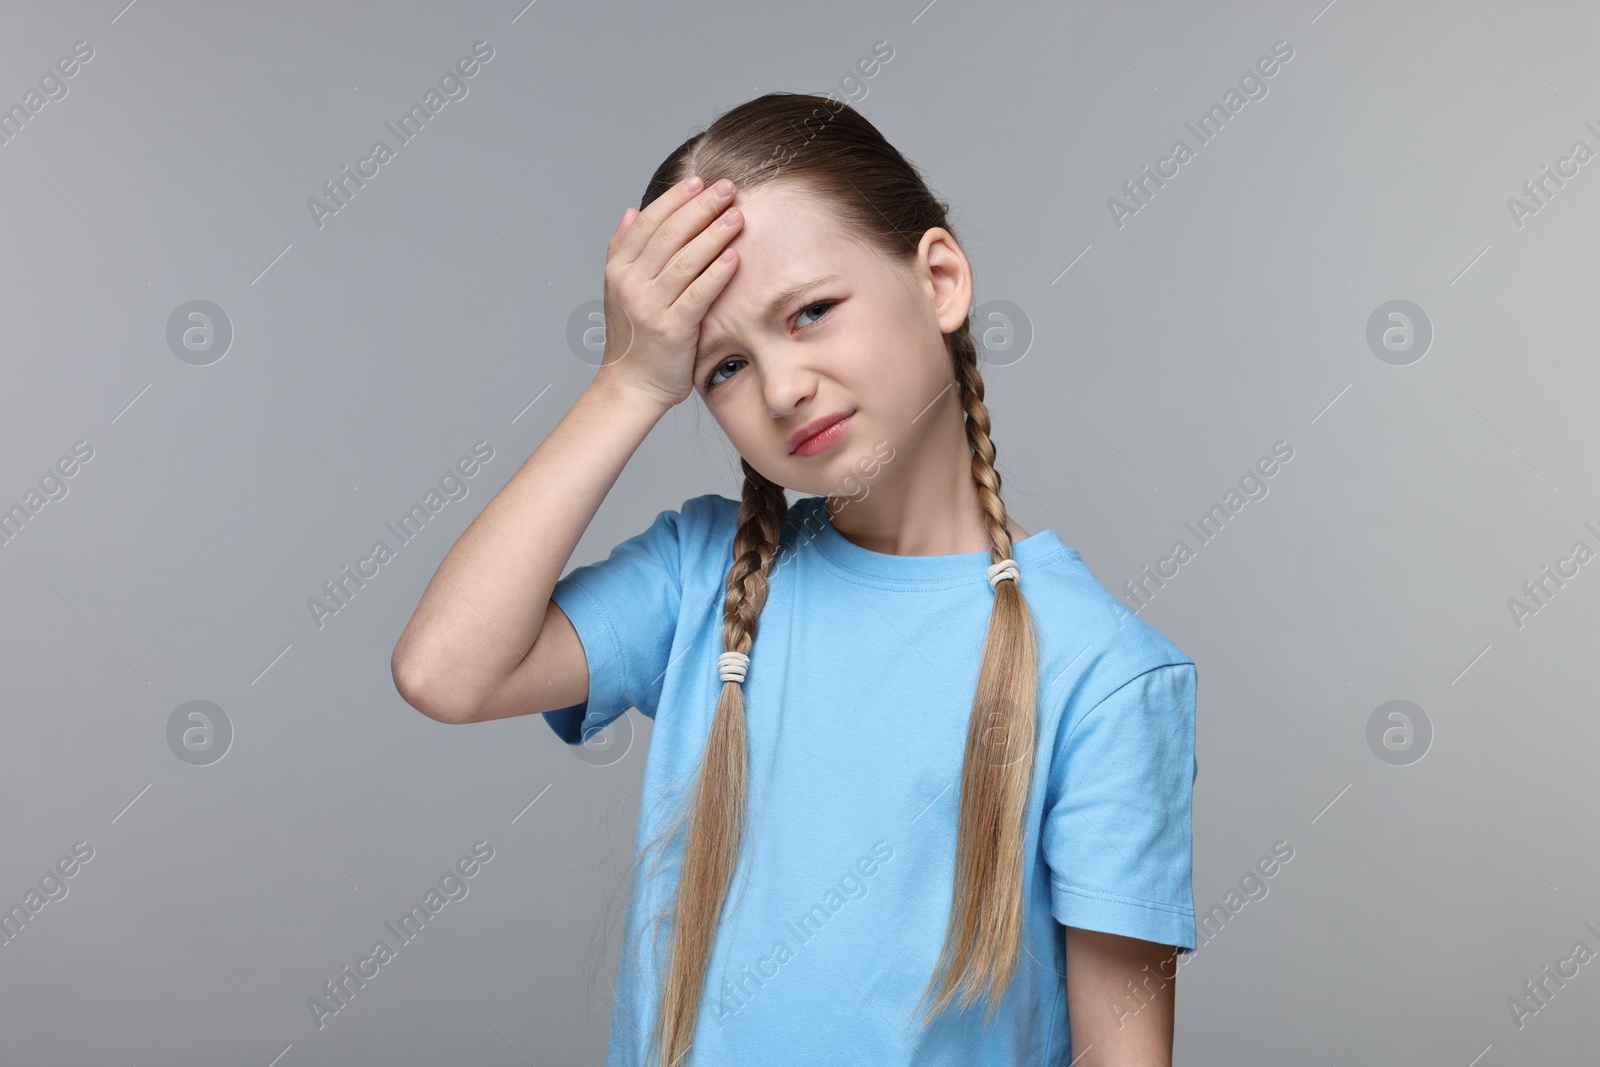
<point x="431" y="312"/>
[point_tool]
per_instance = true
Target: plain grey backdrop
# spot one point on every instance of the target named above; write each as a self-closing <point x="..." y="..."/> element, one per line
<point x="218" y="396"/>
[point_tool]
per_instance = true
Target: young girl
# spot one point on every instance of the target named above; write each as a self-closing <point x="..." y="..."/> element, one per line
<point x="918" y="790"/>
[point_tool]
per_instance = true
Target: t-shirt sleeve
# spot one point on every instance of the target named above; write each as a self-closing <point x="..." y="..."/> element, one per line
<point x="1118" y="833"/>
<point x="625" y="610"/>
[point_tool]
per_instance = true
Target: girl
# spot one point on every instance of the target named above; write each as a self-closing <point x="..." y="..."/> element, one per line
<point x="909" y="761"/>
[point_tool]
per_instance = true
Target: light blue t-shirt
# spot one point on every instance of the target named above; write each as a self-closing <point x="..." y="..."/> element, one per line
<point x="857" y="700"/>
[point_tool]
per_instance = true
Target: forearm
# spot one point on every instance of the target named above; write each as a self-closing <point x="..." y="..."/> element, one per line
<point x="486" y="603"/>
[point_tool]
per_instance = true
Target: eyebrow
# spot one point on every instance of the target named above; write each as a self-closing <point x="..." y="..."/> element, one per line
<point x="718" y="341"/>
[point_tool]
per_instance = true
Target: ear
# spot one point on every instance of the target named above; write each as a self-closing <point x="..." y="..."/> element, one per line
<point x="943" y="269"/>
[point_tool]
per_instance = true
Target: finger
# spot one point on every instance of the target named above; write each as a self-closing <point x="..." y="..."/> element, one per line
<point x="694" y="258"/>
<point x="628" y="216"/>
<point x="707" y="285"/>
<point x="683" y="225"/>
<point x="660" y="209"/>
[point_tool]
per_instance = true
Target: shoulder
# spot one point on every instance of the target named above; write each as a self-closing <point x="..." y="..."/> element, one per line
<point x="713" y="517"/>
<point x="1091" y="644"/>
<point x="699" y="517"/>
<point x="709" y="514"/>
<point x="701" y="532"/>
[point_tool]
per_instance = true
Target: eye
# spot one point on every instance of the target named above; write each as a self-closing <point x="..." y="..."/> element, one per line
<point x="824" y="304"/>
<point x="712" y="379"/>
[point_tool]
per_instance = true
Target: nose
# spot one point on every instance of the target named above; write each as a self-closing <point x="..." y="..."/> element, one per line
<point x="787" y="385"/>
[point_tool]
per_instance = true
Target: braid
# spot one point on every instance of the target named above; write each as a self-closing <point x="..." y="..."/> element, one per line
<point x="983" y="472"/>
<point x="983" y="935"/>
<point x="755" y="543"/>
<point x="717" y="805"/>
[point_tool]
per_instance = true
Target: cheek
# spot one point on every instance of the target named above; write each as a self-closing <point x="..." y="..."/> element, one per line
<point x="916" y="382"/>
<point x="910" y="367"/>
<point x="740" y="420"/>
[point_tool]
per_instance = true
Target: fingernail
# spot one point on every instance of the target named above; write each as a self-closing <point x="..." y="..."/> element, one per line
<point x="723" y="187"/>
<point x="693" y="183"/>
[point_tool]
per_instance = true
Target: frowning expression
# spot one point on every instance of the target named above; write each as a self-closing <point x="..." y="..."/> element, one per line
<point x="816" y="328"/>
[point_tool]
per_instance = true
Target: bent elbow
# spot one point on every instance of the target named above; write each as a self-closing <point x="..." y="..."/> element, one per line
<point x="414" y="690"/>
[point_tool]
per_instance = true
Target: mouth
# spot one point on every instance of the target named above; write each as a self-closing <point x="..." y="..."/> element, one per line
<point x="820" y="434"/>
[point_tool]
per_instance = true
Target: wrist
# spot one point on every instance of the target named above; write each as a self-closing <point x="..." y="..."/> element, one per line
<point x="619" y="389"/>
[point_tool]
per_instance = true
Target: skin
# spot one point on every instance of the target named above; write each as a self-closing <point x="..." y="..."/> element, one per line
<point x="878" y="350"/>
<point x="1111" y="1025"/>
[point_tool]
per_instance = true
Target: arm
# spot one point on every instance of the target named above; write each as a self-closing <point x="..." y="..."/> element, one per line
<point x="1119" y="1026"/>
<point x="485" y="606"/>
<point x="478" y="646"/>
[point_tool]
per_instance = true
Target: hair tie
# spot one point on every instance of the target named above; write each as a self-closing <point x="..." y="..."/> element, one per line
<point x="731" y="665"/>
<point x="1004" y="571"/>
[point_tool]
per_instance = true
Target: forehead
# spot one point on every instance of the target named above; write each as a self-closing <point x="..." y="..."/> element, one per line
<point x="788" y="237"/>
<point x="782" y="218"/>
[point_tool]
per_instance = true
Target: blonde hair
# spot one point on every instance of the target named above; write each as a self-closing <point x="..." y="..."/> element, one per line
<point x="830" y="148"/>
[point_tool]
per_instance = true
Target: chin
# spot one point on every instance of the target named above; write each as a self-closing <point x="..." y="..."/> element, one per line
<point x="841" y="476"/>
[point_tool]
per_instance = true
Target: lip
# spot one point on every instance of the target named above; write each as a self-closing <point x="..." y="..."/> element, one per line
<point x="802" y="437"/>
